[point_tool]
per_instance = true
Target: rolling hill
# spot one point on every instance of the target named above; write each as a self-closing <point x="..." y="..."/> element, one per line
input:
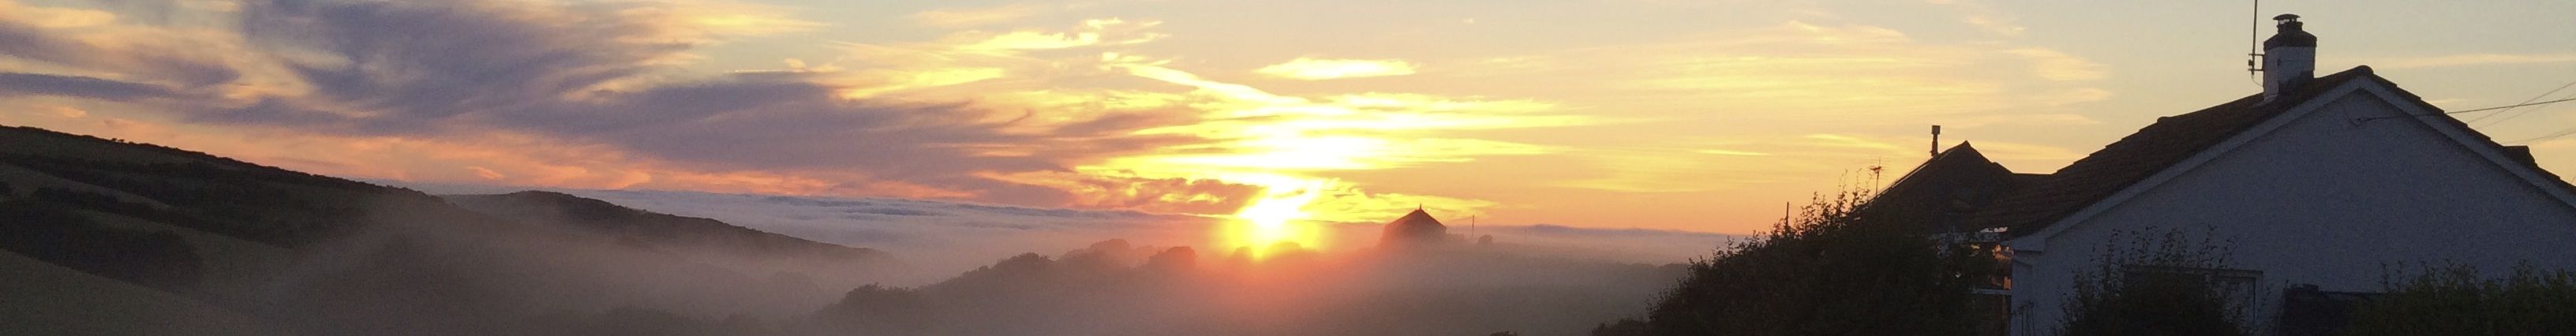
<point x="104" y="236"/>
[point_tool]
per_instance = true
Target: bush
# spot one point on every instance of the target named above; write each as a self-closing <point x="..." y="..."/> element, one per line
<point x="1623" y="327"/>
<point x="2456" y="300"/>
<point x="1829" y="272"/>
<point x="882" y="310"/>
<point x="2159" y="285"/>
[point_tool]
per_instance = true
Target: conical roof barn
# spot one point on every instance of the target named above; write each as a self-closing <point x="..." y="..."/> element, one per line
<point x="1414" y="229"/>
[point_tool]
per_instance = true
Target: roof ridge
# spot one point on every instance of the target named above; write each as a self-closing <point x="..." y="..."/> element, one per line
<point x="2152" y="149"/>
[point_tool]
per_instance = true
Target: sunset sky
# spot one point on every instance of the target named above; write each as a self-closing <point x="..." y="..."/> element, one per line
<point x="1686" y="115"/>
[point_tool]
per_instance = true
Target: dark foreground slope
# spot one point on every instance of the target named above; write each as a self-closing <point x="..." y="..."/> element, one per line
<point x="192" y="241"/>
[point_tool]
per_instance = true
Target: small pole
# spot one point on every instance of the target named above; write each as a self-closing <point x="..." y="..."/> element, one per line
<point x="1936" y="140"/>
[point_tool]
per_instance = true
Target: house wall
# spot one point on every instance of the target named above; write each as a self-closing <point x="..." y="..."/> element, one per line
<point x="2326" y="202"/>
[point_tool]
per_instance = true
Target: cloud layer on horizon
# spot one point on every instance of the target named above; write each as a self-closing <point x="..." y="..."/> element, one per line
<point x="944" y="238"/>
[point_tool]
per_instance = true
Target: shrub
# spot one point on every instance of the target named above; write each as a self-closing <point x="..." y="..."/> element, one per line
<point x="1831" y="271"/>
<point x="2456" y="300"/>
<point x="2159" y="285"/>
<point x="1623" y="327"/>
<point x="883" y="310"/>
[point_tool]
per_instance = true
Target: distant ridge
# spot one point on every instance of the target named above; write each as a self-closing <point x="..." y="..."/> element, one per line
<point x="546" y="207"/>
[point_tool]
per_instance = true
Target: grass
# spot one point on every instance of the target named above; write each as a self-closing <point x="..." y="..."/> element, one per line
<point x="232" y="265"/>
<point x="44" y="299"/>
<point x="23" y="181"/>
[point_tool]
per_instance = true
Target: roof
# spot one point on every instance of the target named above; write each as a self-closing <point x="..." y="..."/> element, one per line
<point x="1946" y="189"/>
<point x="2170" y="141"/>
<point x="1416" y="226"/>
<point x="1417" y="218"/>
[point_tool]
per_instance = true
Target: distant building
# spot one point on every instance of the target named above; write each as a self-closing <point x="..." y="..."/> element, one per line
<point x="1414" y="230"/>
<point x="1942" y="194"/>
<point x="2316" y="183"/>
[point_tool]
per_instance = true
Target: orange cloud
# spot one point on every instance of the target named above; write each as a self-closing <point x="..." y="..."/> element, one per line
<point x="54" y="17"/>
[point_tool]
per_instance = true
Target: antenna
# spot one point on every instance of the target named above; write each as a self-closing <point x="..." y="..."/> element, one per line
<point x="2254" y="45"/>
<point x="1873" y="172"/>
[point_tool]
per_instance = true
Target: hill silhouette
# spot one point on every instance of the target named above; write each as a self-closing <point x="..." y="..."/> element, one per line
<point x="657" y="229"/>
<point x="210" y="243"/>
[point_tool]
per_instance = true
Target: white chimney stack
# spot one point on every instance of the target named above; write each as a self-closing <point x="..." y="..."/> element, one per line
<point x="2289" y="57"/>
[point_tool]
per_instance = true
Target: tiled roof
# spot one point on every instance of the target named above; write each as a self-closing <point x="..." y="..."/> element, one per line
<point x="2167" y="142"/>
<point x="1945" y="189"/>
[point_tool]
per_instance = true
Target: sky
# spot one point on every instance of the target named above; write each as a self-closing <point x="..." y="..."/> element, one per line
<point x="1704" y="116"/>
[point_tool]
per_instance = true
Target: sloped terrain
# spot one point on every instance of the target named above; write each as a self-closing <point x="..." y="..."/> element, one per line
<point x="111" y="238"/>
<point x="655" y="228"/>
<point x="45" y="299"/>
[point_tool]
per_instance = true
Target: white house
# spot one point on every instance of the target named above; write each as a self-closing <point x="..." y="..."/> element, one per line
<point x="2319" y="181"/>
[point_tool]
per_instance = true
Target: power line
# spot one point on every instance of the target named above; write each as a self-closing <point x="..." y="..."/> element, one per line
<point x="2525" y="101"/>
<point x="2513" y="106"/>
<point x="2357" y="121"/>
<point x="2561" y="133"/>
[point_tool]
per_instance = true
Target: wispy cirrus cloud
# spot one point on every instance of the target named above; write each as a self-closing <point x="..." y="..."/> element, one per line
<point x="596" y="76"/>
<point x="1321" y="69"/>
<point x="977" y="17"/>
<point x="77" y="86"/>
<point x="974" y="55"/>
<point x="54" y="17"/>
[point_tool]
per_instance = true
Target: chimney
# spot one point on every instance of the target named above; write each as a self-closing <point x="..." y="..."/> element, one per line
<point x="2289" y="57"/>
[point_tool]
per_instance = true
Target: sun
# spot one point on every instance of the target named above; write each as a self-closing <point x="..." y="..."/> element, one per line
<point x="1278" y="217"/>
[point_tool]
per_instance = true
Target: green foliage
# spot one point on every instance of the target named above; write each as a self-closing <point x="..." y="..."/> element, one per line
<point x="1833" y="271"/>
<point x="2166" y="284"/>
<point x="2456" y="300"/>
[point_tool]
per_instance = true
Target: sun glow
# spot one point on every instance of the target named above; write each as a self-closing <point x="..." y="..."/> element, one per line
<point x="1282" y="143"/>
<point x="1276" y="222"/>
